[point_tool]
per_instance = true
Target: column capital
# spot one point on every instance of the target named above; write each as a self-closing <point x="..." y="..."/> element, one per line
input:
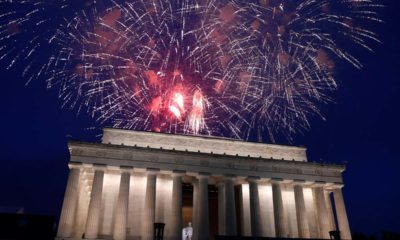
<point x="99" y="167"/>
<point x="126" y="169"/>
<point x="318" y="184"/>
<point x="299" y="182"/>
<point x="220" y="182"/>
<point x="229" y="176"/>
<point x="178" y="173"/>
<point x="334" y="186"/>
<point x="221" y="179"/>
<point x="203" y="175"/>
<point x="253" y="179"/>
<point x="75" y="165"/>
<point x="276" y="180"/>
<point x="337" y="185"/>
<point x="152" y="171"/>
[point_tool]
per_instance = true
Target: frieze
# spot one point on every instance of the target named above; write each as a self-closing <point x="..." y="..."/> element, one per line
<point x="179" y="160"/>
<point x="205" y="163"/>
<point x="153" y="159"/>
<point x="127" y="155"/>
<point x="318" y="172"/>
<point x="230" y="165"/>
<point x="291" y="170"/>
<point x="254" y="167"/>
<point x="101" y="153"/>
<point x="76" y="151"/>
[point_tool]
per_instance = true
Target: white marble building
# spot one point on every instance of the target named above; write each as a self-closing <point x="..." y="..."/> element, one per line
<point x="117" y="189"/>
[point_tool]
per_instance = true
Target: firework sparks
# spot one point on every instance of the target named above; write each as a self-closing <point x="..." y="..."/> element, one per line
<point x="196" y="118"/>
<point x="176" y="106"/>
<point x="215" y="67"/>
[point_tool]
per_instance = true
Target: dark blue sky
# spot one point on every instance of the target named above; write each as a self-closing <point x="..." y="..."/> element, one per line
<point x="362" y="129"/>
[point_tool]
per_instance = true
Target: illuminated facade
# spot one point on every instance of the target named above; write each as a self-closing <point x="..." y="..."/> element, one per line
<point x="117" y="189"/>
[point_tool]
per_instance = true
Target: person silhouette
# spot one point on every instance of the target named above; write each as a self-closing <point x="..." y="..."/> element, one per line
<point x="187" y="232"/>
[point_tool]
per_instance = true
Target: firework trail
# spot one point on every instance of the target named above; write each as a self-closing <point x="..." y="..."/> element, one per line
<point x="215" y="67"/>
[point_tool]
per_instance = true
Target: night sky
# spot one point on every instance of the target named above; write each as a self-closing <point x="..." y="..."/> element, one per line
<point x="362" y="130"/>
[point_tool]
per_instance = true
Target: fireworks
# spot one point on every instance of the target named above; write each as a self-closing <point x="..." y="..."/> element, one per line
<point x="215" y="67"/>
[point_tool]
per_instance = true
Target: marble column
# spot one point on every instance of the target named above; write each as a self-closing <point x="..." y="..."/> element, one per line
<point x="203" y="221"/>
<point x="230" y="207"/>
<point x="331" y="218"/>
<point x="121" y="211"/>
<point x="322" y="212"/>
<point x="221" y="208"/>
<point x="341" y="214"/>
<point x="244" y="206"/>
<point x="150" y="205"/>
<point x="195" y="209"/>
<point x="279" y="213"/>
<point x="92" y="222"/>
<point x="255" y="211"/>
<point x="301" y="213"/>
<point x="176" y="218"/>
<point x="83" y="206"/>
<point x="65" y="227"/>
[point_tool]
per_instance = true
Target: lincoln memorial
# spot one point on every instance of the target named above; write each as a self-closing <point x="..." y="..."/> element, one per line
<point x="119" y="188"/>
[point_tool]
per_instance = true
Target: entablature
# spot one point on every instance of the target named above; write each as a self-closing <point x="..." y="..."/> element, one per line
<point x="215" y="164"/>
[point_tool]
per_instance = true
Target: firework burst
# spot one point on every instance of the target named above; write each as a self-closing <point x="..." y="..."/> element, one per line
<point x="215" y="67"/>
